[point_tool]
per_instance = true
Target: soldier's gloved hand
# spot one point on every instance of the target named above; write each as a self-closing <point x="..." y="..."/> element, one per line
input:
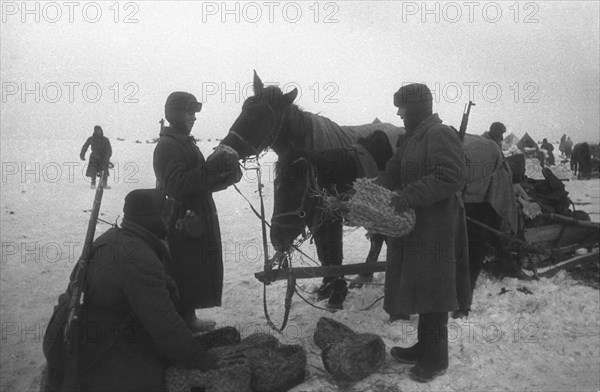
<point x="226" y="160"/>
<point x="82" y="157"/>
<point x="400" y="202"/>
<point x="224" y="154"/>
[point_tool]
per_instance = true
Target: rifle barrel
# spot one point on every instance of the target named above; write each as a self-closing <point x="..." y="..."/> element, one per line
<point x="76" y="286"/>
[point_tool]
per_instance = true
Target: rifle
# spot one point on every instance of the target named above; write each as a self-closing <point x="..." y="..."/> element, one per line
<point x="162" y="125"/>
<point x="73" y="328"/>
<point x="465" y="119"/>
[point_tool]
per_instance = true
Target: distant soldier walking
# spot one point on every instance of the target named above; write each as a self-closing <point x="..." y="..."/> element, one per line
<point x="99" y="157"/>
<point x="549" y="148"/>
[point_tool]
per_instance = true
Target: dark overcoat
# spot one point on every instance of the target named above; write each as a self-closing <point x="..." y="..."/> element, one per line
<point x="100" y="155"/>
<point x="131" y="329"/>
<point x="427" y="270"/>
<point x="196" y="261"/>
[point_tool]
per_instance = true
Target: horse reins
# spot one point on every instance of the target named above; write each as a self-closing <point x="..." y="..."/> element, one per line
<point x="300" y="212"/>
<point x="269" y="139"/>
<point x="291" y="283"/>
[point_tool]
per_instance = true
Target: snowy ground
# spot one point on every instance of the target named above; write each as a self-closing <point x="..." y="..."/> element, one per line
<point x="547" y="340"/>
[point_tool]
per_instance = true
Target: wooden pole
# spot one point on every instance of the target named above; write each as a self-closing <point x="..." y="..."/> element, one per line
<point x="317" y="272"/>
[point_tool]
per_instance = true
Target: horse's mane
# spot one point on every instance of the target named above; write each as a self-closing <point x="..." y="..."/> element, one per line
<point x="308" y="131"/>
<point x="305" y="131"/>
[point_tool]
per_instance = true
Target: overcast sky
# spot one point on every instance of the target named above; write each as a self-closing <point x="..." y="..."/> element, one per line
<point x="532" y="65"/>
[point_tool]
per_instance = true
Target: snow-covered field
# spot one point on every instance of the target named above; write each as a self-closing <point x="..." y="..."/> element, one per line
<point x="548" y="340"/>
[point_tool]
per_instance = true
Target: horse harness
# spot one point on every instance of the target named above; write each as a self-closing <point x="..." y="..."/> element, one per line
<point x="269" y="139"/>
<point x="300" y="212"/>
<point x="309" y="186"/>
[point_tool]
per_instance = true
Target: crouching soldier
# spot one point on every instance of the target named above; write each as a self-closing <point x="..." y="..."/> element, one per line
<point x="130" y="329"/>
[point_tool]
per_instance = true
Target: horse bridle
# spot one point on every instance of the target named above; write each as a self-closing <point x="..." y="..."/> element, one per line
<point x="299" y="212"/>
<point x="269" y="139"/>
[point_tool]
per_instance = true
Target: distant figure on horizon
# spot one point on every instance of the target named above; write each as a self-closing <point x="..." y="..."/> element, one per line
<point x="496" y="133"/>
<point x="549" y="148"/>
<point x="566" y="146"/>
<point x="99" y="157"/>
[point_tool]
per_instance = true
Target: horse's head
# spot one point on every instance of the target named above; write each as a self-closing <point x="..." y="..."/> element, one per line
<point x="293" y="201"/>
<point x="260" y="122"/>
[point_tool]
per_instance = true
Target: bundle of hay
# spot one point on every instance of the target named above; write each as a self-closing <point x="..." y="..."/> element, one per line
<point x="347" y="355"/>
<point x="235" y="375"/>
<point x="257" y="363"/>
<point x="371" y="208"/>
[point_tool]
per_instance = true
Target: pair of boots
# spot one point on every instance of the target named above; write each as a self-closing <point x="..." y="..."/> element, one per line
<point x="430" y="353"/>
<point x="336" y="289"/>
<point x="194" y="323"/>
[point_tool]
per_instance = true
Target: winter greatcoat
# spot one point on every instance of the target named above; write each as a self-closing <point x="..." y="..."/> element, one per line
<point x="99" y="157"/>
<point x="428" y="271"/>
<point x="196" y="258"/>
<point x="548" y="147"/>
<point x="132" y="330"/>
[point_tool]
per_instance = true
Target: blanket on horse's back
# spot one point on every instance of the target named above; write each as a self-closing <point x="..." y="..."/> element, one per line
<point x="489" y="178"/>
<point x="328" y="135"/>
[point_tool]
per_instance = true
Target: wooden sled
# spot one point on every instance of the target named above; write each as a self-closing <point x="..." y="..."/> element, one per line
<point x="570" y="242"/>
<point x="555" y="244"/>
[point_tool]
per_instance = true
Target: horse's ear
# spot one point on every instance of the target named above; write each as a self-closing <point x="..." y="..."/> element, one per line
<point x="258" y="84"/>
<point x="291" y="96"/>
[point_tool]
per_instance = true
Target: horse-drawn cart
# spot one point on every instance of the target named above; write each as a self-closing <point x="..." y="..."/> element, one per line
<point x="564" y="243"/>
<point x="545" y="250"/>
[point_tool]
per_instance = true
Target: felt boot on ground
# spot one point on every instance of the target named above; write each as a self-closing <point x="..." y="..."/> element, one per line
<point x="409" y="355"/>
<point x="433" y="335"/>
<point x="423" y="374"/>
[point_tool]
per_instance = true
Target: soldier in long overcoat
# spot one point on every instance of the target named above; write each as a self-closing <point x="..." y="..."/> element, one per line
<point x="427" y="271"/>
<point x="99" y="157"/>
<point x="131" y="329"/>
<point x="194" y="236"/>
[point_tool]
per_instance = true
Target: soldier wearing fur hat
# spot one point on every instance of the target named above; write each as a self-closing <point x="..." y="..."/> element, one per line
<point x="99" y="157"/>
<point x="131" y="330"/>
<point x="496" y="133"/>
<point x="194" y="236"/>
<point x="427" y="271"/>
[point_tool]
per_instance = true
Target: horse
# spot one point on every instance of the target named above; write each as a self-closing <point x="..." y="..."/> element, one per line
<point x="581" y="161"/>
<point x="269" y="119"/>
